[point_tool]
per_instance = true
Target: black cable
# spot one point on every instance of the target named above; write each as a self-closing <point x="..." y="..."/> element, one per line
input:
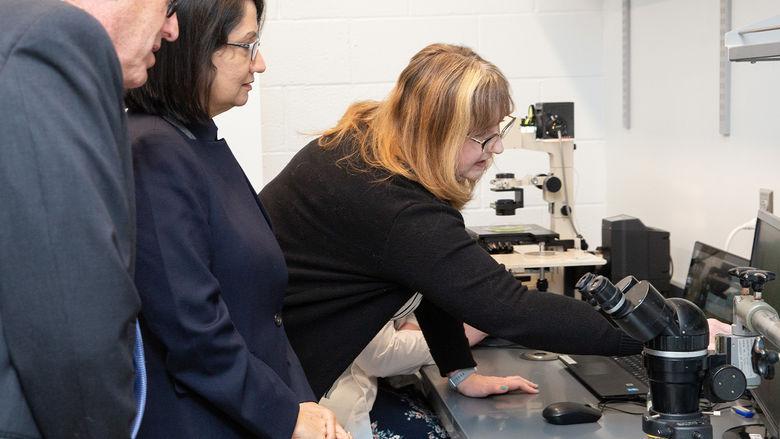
<point x="569" y="208"/>
<point x="607" y="405"/>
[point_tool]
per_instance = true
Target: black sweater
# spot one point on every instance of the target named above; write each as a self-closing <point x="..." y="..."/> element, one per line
<point x="358" y="245"/>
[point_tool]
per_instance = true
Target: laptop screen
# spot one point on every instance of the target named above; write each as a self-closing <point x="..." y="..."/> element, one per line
<point x="709" y="285"/>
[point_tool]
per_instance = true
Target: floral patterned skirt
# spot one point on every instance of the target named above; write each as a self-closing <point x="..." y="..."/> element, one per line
<point x="403" y="414"/>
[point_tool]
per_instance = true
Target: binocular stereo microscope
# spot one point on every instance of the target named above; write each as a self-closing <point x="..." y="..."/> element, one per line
<point x="675" y="335"/>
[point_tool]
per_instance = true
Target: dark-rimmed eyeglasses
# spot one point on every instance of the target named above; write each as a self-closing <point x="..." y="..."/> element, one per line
<point x="490" y="142"/>
<point x="253" y="47"/>
<point x="172" y="4"/>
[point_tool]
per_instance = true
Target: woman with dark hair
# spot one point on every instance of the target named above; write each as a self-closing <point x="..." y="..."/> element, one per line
<point x="368" y="214"/>
<point x="209" y="272"/>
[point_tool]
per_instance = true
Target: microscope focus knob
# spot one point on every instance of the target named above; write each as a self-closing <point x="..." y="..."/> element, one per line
<point x="724" y="383"/>
<point x="553" y="184"/>
<point x="763" y="359"/>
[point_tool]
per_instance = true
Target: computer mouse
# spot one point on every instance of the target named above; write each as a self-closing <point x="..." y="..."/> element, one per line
<point x="564" y="413"/>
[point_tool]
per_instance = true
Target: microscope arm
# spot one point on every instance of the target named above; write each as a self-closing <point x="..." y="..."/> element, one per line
<point x="561" y="151"/>
<point x="557" y="186"/>
<point x="767" y="324"/>
<point x="544" y="182"/>
<point x="757" y="316"/>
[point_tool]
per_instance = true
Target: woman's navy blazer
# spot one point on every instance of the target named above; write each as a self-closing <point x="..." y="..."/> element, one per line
<point x="211" y="277"/>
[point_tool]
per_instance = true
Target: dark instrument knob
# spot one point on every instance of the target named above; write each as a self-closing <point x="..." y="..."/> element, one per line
<point x="758" y="279"/>
<point x="725" y="383"/>
<point x="738" y="272"/>
<point x="763" y="359"/>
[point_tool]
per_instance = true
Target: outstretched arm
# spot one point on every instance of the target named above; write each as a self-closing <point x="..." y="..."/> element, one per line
<point x="429" y="250"/>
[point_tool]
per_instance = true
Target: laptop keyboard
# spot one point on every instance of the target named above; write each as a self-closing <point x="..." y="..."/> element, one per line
<point x="633" y="364"/>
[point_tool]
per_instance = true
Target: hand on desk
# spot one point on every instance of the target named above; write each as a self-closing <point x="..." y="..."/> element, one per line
<point x="479" y="386"/>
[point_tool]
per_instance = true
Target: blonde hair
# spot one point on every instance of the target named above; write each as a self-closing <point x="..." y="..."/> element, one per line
<point x="443" y="94"/>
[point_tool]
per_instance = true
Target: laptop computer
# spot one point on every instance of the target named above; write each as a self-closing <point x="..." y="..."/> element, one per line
<point x="610" y="378"/>
<point x="708" y="285"/>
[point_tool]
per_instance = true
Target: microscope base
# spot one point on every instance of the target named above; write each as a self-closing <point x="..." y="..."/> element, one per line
<point x="687" y="426"/>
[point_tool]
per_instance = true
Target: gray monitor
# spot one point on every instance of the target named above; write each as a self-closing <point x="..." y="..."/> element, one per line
<point x="766" y="256"/>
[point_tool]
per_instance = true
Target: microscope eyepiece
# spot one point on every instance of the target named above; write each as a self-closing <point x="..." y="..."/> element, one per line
<point x="606" y="295"/>
<point x="626" y="283"/>
<point x="584" y="282"/>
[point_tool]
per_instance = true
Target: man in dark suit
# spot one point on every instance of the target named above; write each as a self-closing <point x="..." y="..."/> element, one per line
<point x="67" y="215"/>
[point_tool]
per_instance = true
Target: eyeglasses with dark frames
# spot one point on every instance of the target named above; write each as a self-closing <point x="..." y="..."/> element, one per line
<point x="253" y="47"/>
<point x="488" y="143"/>
<point x="172" y="4"/>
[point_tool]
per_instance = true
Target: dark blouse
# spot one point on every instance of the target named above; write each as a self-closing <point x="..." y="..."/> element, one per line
<point x="358" y="244"/>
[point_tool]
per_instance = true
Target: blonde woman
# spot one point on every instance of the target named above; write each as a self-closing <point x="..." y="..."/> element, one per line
<point x="368" y="214"/>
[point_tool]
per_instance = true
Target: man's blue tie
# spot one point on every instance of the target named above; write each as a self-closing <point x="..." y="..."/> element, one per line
<point x="139" y="385"/>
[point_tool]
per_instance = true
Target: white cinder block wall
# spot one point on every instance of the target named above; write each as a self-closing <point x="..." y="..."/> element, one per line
<point x="321" y="56"/>
<point x="673" y="169"/>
